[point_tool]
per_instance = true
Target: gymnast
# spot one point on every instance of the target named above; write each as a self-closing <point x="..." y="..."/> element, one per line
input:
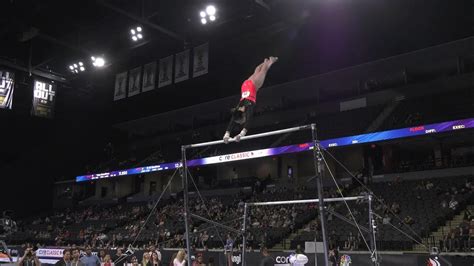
<point x="242" y="114"/>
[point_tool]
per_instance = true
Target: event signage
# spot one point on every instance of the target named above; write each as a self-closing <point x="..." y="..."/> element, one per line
<point x="48" y="256"/>
<point x="337" y="142"/>
<point x="7" y="86"/>
<point x="44" y="98"/>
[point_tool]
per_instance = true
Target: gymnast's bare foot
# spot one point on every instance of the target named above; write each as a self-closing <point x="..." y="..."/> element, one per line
<point x="272" y="59"/>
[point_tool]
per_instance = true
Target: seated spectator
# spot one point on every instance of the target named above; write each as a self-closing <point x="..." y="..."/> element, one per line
<point x="395" y="208"/>
<point x="408" y="220"/>
<point x="145" y="259"/>
<point x="107" y="261"/>
<point x="453" y="203"/>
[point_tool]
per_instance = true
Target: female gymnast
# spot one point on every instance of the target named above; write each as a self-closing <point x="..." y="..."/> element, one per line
<point x="242" y="114"/>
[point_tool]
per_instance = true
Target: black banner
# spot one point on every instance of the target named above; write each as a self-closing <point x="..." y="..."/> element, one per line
<point x="44" y="98"/>
<point x="7" y="86"/>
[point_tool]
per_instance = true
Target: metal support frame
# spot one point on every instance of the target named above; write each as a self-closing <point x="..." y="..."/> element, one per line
<point x="343" y="218"/>
<point x="214" y="223"/>
<point x="184" y="175"/>
<point x="373" y="230"/>
<point x="317" y="156"/>
<point x="370" y="230"/>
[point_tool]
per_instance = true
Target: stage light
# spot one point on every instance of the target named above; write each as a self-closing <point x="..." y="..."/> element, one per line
<point x="77" y="67"/>
<point x="209" y="14"/>
<point x="136" y="33"/>
<point x="99" y="62"/>
<point x="211" y="10"/>
<point x="93" y="58"/>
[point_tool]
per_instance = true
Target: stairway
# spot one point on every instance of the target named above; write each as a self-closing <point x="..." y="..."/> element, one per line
<point x="436" y="236"/>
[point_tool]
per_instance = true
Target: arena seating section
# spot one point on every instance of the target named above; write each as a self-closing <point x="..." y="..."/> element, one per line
<point x="120" y="223"/>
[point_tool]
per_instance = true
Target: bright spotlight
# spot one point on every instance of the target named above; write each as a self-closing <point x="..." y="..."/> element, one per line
<point x="211" y="10"/>
<point x="202" y="14"/>
<point x="93" y="58"/>
<point x="136" y="33"/>
<point x="71" y="67"/>
<point x="203" y="21"/>
<point x="82" y="68"/>
<point x="99" y="62"/>
<point x="80" y="63"/>
<point x="75" y="65"/>
<point x="212" y="18"/>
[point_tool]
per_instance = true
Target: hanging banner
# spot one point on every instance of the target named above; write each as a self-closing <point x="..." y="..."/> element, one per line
<point x="134" y="81"/>
<point x="181" y="67"/>
<point x="7" y="86"/>
<point x="149" y="77"/>
<point x="166" y="71"/>
<point x="44" y="98"/>
<point x="120" y="86"/>
<point x="201" y="60"/>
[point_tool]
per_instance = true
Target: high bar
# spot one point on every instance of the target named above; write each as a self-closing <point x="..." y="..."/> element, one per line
<point x="259" y="135"/>
<point x="303" y="201"/>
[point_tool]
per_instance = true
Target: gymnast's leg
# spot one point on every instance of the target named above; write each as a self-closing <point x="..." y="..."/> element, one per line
<point x="258" y="77"/>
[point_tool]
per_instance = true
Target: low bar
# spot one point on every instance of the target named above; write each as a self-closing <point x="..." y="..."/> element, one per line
<point x="259" y="135"/>
<point x="304" y="201"/>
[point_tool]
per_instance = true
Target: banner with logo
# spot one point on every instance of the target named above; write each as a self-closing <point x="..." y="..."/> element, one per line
<point x="165" y="71"/>
<point x="201" y="60"/>
<point x="120" y="86"/>
<point x="134" y="79"/>
<point x="181" y="67"/>
<point x="7" y="86"/>
<point x="44" y="99"/>
<point x="53" y="255"/>
<point x="149" y="77"/>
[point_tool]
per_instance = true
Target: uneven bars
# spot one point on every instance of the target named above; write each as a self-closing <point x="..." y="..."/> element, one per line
<point x="259" y="135"/>
<point x="303" y="201"/>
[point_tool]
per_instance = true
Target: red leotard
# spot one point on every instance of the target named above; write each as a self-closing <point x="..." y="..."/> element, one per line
<point x="249" y="91"/>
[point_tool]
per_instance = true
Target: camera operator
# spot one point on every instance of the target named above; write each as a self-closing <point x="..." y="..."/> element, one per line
<point x="29" y="258"/>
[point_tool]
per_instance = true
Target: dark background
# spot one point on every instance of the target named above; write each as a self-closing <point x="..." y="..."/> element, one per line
<point x="310" y="37"/>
